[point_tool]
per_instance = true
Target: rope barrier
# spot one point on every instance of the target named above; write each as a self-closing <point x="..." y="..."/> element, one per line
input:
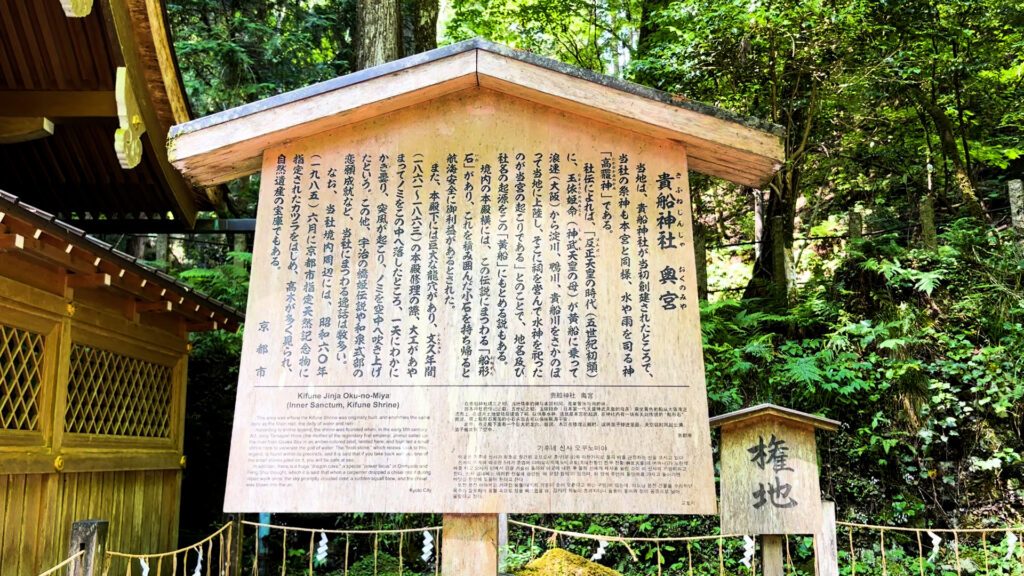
<point x="209" y="538"/>
<point x="624" y="540"/>
<point x="401" y="532"/>
<point x="327" y="531"/>
<point x="53" y="570"/>
<point x="949" y="530"/>
<point x="952" y="552"/>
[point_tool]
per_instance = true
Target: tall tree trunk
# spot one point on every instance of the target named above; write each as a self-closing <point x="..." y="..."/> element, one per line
<point x="424" y="30"/>
<point x="646" y="37"/>
<point x="929" y="237"/>
<point x="379" y="32"/>
<point x="773" y="273"/>
<point x="947" y="140"/>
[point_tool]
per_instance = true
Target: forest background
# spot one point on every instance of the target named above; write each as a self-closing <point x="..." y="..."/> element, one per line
<point x="877" y="280"/>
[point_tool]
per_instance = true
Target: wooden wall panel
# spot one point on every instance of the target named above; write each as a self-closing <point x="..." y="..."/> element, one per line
<point x="38" y="509"/>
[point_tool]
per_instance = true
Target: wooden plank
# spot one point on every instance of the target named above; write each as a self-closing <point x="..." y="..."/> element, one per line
<point x="4" y="506"/>
<point x="84" y="462"/>
<point x="151" y="509"/>
<point x="59" y="104"/>
<point x="469" y="545"/>
<point x="15" y="129"/>
<point x="50" y="527"/>
<point x="26" y="295"/>
<point x="138" y="513"/>
<point x="31" y="562"/>
<point x="233" y="149"/>
<point x="68" y="487"/>
<point x="61" y="375"/>
<point x="117" y="504"/>
<point x="125" y="513"/>
<point x="826" y="545"/>
<point x="13" y="519"/>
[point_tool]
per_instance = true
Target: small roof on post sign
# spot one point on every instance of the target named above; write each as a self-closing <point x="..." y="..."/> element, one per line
<point x="762" y="411"/>
<point x="229" y="145"/>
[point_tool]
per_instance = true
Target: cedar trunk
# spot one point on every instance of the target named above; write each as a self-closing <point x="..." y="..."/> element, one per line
<point x="425" y="24"/>
<point x="379" y="31"/>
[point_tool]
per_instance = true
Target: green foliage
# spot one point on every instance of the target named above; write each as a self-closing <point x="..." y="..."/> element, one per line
<point x="915" y="354"/>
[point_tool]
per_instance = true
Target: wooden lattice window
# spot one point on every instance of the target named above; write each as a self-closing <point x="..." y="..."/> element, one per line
<point x="21" y="378"/>
<point x="116" y="395"/>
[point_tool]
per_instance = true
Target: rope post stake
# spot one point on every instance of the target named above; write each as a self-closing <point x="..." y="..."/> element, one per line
<point x="89" y="536"/>
<point x="826" y="545"/>
<point x="469" y="545"/>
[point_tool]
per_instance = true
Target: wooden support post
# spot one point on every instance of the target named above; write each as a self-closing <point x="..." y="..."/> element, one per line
<point x="502" y="538"/>
<point x="826" y="547"/>
<point x="469" y="545"/>
<point x="91" y="536"/>
<point x="700" y="256"/>
<point x="1016" y="191"/>
<point x="771" y="555"/>
<point x="233" y="560"/>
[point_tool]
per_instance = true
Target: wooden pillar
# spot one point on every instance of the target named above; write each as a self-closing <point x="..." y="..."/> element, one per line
<point x="91" y="536"/>
<point x="502" y="537"/>
<point x="826" y="548"/>
<point x="233" y="553"/>
<point x="469" y="545"/>
<point x="1016" y="191"/>
<point x="771" y="555"/>
<point x="700" y="255"/>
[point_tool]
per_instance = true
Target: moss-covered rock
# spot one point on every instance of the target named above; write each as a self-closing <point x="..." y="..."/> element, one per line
<point x="558" y="562"/>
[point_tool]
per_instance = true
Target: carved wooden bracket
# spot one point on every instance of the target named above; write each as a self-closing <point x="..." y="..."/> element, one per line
<point x="22" y="129"/>
<point x="76" y="8"/>
<point x="127" y="141"/>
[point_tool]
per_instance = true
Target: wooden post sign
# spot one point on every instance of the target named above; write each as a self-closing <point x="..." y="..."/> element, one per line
<point x="769" y="467"/>
<point x="473" y="290"/>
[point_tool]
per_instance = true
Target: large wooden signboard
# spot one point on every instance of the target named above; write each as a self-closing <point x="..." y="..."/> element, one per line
<point x="476" y="304"/>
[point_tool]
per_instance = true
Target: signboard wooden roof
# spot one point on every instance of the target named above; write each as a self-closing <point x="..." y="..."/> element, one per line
<point x="772" y="411"/>
<point x="230" y="144"/>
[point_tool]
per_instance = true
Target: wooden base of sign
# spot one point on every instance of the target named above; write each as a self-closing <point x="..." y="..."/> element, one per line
<point x="826" y="547"/>
<point x="771" y="555"/>
<point x="469" y="545"/>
